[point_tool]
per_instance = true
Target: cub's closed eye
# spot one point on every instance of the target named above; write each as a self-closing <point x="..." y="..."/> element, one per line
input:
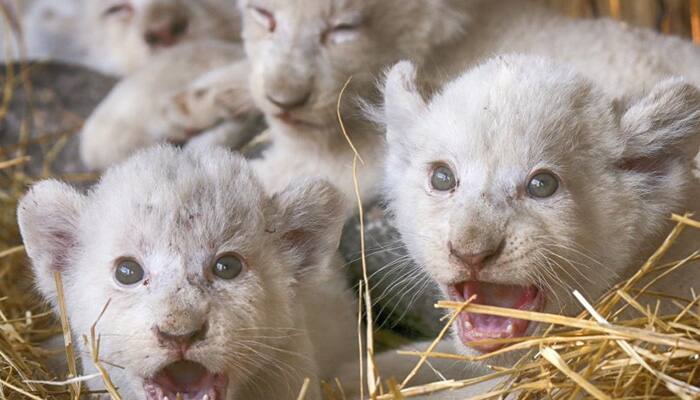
<point x="264" y="18"/>
<point x="122" y="8"/>
<point x="542" y="184"/>
<point x="345" y="27"/>
<point x="442" y="178"/>
<point x="128" y="272"/>
<point x="342" y="32"/>
<point x="228" y="266"/>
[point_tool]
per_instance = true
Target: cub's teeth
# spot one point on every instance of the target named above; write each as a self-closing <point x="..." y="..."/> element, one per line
<point x="166" y="398"/>
<point x="206" y="397"/>
<point x="467" y="325"/>
<point x="509" y="328"/>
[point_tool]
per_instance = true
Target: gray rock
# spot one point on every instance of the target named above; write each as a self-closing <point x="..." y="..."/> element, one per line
<point x="47" y="111"/>
<point x="403" y="296"/>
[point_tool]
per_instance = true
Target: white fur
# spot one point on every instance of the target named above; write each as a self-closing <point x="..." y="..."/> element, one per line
<point x="115" y="42"/>
<point x="620" y="58"/>
<point x="164" y="101"/>
<point x="624" y="168"/>
<point x="49" y="28"/>
<point x="287" y="316"/>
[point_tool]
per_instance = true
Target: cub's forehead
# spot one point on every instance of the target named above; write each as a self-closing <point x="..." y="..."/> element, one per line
<point x="518" y="107"/>
<point x="165" y="185"/>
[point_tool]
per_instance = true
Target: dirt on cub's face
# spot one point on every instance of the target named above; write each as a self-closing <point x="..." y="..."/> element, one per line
<point x="520" y="182"/>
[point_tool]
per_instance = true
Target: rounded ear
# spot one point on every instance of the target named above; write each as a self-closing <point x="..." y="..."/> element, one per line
<point x="402" y="100"/>
<point x="663" y="125"/>
<point x="312" y="214"/>
<point x="48" y="221"/>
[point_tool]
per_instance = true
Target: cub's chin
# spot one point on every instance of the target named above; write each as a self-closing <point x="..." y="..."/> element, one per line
<point x="472" y="327"/>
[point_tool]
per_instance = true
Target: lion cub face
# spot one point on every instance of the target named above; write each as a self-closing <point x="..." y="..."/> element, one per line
<point x="122" y="35"/>
<point x="303" y="52"/>
<point x="520" y="182"/>
<point x="197" y="263"/>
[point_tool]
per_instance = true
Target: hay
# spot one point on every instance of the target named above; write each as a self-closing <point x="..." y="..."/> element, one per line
<point x="652" y="356"/>
<point x="24" y="320"/>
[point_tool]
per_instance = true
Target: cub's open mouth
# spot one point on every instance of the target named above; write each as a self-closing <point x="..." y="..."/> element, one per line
<point x="472" y="327"/>
<point x="189" y="380"/>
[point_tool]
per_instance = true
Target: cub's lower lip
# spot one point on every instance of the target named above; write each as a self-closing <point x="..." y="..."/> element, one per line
<point x="188" y="380"/>
<point x="288" y="119"/>
<point x="474" y="327"/>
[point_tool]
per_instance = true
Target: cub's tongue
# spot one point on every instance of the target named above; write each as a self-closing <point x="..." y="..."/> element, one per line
<point x="186" y="380"/>
<point x="473" y="327"/>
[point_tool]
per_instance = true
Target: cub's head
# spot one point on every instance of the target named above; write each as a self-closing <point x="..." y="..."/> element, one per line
<point x="520" y="182"/>
<point x="302" y="52"/>
<point x="121" y="35"/>
<point x="197" y="263"/>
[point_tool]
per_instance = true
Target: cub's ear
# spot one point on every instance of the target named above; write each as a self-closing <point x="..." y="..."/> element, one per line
<point x="402" y="100"/>
<point x="48" y="221"/>
<point x="312" y="217"/>
<point x="663" y="125"/>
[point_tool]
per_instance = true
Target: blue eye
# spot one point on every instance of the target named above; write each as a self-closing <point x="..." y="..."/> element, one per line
<point x="228" y="266"/>
<point x="128" y="272"/>
<point x="542" y="185"/>
<point x="124" y="8"/>
<point x="442" y="178"/>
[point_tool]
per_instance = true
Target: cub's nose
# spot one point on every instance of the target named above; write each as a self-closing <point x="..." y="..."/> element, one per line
<point x="167" y="33"/>
<point x="473" y="260"/>
<point x="290" y="102"/>
<point x="181" y="342"/>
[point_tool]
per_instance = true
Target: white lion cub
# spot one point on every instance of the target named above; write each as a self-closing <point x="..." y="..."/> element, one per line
<point x="521" y="181"/>
<point x="302" y="53"/>
<point x="122" y="35"/>
<point x="215" y="289"/>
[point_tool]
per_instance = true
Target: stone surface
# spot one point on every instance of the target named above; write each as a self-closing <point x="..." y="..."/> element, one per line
<point x="402" y="294"/>
<point x="47" y="107"/>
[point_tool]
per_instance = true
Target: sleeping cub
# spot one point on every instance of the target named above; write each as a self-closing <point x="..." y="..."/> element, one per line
<point x="120" y="36"/>
<point x="521" y="181"/>
<point x="212" y="289"/>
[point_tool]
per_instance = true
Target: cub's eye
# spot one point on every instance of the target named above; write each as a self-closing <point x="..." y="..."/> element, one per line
<point x="345" y="27"/>
<point x="264" y="18"/>
<point x="342" y="32"/>
<point x="128" y="273"/>
<point x="228" y="266"/>
<point x="442" y="178"/>
<point x="543" y="184"/>
<point x="122" y="8"/>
